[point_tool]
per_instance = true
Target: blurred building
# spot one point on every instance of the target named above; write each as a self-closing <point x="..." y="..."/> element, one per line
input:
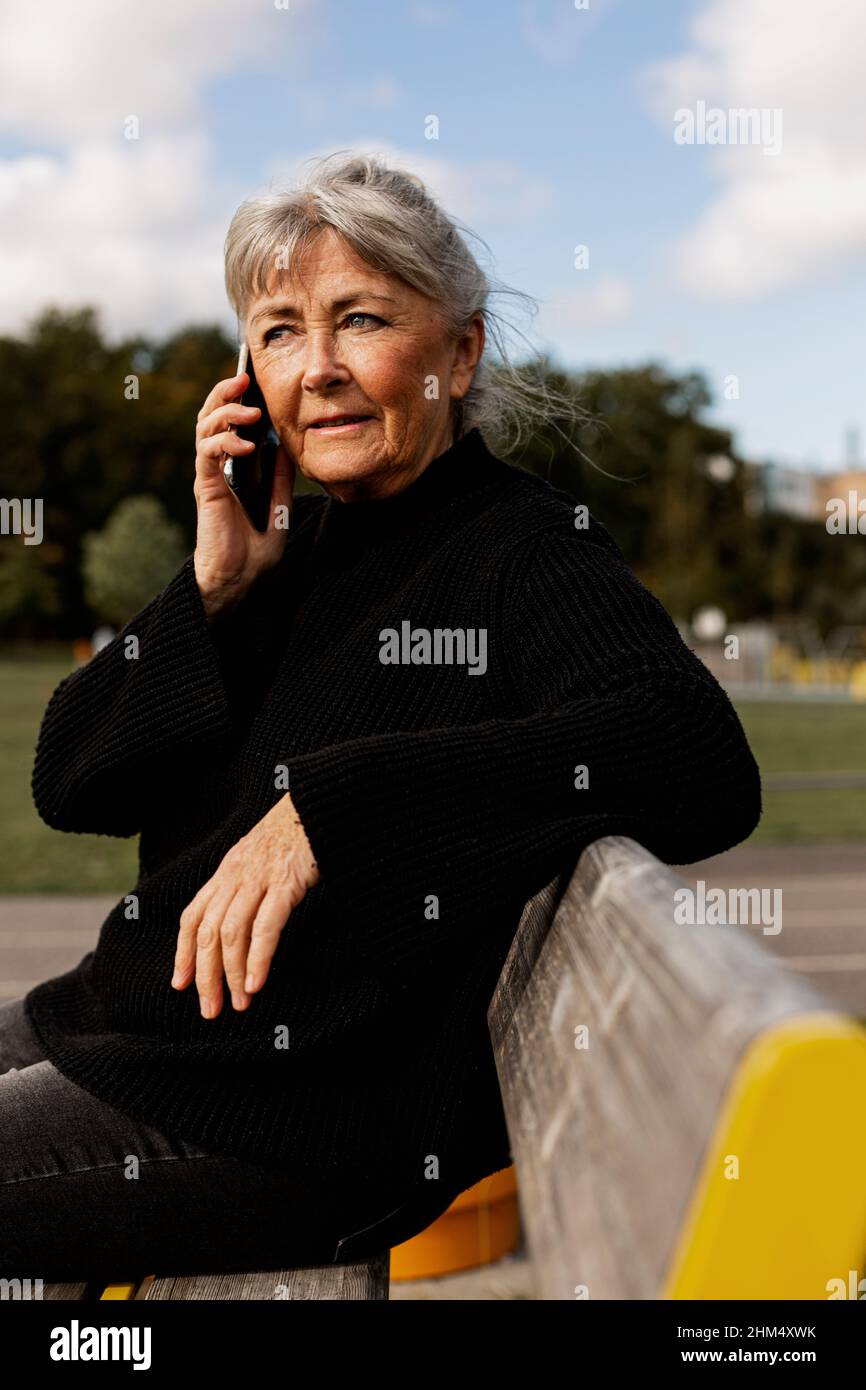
<point x="803" y="492"/>
<point x="760" y="659"/>
<point x="851" y="487"/>
<point x="752" y="666"/>
<point x="791" y="491"/>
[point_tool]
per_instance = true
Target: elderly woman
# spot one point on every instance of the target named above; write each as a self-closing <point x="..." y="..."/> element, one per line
<point x="353" y="747"/>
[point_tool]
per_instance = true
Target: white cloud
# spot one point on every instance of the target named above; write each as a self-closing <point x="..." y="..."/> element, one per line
<point x="488" y="189"/>
<point x="777" y="220"/>
<point x="587" y="306"/>
<point x="136" y="226"/>
<point x="75" y="70"/>
<point x="132" y="229"/>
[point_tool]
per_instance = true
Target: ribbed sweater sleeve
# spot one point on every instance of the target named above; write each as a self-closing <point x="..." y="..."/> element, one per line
<point x="113" y="728"/>
<point x="601" y="679"/>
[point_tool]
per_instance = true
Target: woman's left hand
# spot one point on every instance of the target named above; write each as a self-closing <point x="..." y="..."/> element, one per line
<point x="233" y="923"/>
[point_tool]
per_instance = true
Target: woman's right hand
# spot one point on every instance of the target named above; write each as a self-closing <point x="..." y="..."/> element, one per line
<point x="230" y="553"/>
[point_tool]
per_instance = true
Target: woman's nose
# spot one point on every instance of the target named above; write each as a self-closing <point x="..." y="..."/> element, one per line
<point x="322" y="364"/>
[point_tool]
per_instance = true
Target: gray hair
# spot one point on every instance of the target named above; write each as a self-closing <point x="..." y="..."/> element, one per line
<point x="395" y="225"/>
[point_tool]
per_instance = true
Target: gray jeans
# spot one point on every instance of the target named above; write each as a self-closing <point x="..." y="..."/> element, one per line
<point x="88" y="1193"/>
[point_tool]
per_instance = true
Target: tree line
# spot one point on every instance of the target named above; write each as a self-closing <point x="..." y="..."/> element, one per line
<point x="104" y="434"/>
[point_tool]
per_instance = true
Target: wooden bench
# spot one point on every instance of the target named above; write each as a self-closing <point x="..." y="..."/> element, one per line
<point x="705" y="1136"/>
<point x="679" y="1107"/>
<point x="366" y="1280"/>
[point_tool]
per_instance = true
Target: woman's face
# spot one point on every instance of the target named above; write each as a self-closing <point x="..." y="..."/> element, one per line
<point x="341" y="338"/>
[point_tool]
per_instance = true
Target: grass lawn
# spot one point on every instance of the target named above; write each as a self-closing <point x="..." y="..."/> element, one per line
<point x="785" y="737"/>
<point x="790" y="737"/>
<point x="37" y="859"/>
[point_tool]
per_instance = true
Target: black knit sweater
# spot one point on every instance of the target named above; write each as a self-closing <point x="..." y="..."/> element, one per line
<point x="437" y="799"/>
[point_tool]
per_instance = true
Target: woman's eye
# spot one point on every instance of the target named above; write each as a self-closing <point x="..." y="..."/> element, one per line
<point x="367" y="319"/>
<point x="372" y="318"/>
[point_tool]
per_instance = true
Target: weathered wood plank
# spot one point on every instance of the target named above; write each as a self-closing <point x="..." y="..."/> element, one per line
<point x="608" y="1126"/>
<point x="367" y="1280"/>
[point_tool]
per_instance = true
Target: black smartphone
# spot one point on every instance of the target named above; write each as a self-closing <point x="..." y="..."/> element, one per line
<point x="251" y="477"/>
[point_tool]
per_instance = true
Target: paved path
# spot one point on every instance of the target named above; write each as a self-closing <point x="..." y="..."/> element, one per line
<point x="42" y="936"/>
<point x="823" y="903"/>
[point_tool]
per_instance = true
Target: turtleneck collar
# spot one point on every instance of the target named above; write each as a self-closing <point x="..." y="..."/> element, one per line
<point x="464" y="467"/>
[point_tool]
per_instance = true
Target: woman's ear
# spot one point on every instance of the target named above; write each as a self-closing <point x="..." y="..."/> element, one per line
<point x="467" y="355"/>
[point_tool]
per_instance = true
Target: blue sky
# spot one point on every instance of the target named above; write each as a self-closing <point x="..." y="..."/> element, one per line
<point x="555" y="129"/>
